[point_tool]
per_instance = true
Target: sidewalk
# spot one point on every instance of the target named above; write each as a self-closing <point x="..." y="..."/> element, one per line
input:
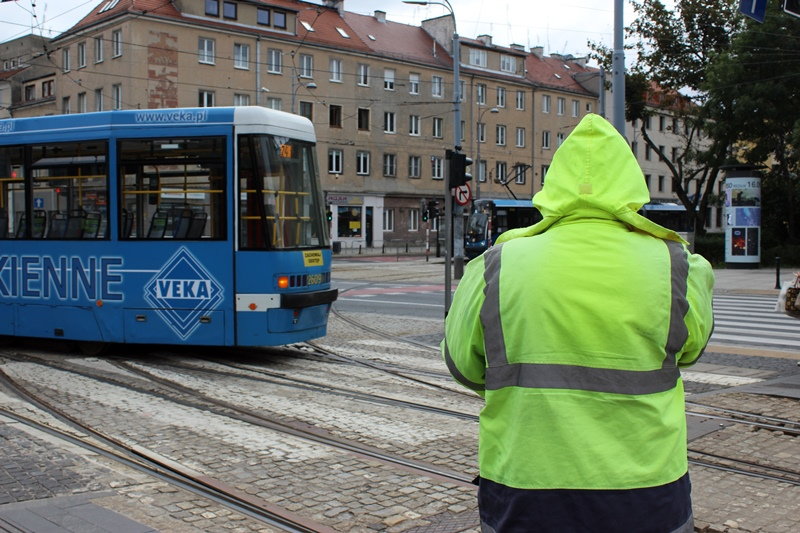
<point x="750" y="281"/>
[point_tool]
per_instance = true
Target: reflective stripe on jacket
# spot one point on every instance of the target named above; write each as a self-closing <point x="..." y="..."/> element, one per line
<point x="573" y="331"/>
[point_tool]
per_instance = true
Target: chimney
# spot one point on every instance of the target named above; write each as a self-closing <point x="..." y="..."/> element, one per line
<point x="485" y="39"/>
<point x="338" y="5"/>
<point x="538" y="51"/>
<point x="518" y="47"/>
<point x="380" y="16"/>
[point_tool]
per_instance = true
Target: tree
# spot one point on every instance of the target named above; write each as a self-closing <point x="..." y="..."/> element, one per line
<point x="673" y="49"/>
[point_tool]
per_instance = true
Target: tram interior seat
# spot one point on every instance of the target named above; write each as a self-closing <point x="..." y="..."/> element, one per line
<point x="39" y="224"/>
<point x="181" y="221"/>
<point x="91" y="225"/>
<point x="3" y="225"/>
<point x="158" y="225"/>
<point x="57" y="228"/>
<point x="74" y="227"/>
<point x="197" y="225"/>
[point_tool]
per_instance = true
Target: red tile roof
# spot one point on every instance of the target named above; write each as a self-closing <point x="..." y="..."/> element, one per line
<point x="556" y="72"/>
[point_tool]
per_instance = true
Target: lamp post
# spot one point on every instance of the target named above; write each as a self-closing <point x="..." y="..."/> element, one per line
<point x="478" y="151"/>
<point x="458" y="244"/>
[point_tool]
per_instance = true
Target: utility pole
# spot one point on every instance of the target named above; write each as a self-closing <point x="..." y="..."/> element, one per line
<point x="618" y="68"/>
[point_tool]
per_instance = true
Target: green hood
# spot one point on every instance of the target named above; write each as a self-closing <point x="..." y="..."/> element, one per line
<point x="594" y="169"/>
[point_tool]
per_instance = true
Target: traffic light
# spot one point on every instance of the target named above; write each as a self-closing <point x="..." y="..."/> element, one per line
<point x="459" y="164"/>
<point x="433" y="209"/>
<point x="329" y="214"/>
<point x="425" y="214"/>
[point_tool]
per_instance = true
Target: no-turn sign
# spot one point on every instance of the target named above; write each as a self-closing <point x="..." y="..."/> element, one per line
<point x="462" y="194"/>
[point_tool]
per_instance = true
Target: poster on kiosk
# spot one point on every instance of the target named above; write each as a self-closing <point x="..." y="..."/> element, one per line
<point x="742" y="218"/>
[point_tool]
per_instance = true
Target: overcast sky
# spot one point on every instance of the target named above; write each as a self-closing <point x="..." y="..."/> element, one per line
<point x="560" y="26"/>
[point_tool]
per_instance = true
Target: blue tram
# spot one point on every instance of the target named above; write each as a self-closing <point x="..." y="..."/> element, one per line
<point x="201" y="226"/>
<point x="490" y="218"/>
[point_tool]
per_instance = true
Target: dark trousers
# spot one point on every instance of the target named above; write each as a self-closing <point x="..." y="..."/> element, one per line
<point x="663" y="509"/>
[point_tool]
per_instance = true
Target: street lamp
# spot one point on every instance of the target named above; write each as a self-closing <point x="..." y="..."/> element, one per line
<point x="478" y="151"/>
<point x="296" y="84"/>
<point x="458" y="244"/>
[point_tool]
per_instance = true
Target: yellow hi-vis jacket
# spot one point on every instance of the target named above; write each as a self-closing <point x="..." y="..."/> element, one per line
<point x="573" y="330"/>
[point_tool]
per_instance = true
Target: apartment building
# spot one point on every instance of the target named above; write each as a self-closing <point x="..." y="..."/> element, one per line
<point x="27" y="78"/>
<point x="379" y="93"/>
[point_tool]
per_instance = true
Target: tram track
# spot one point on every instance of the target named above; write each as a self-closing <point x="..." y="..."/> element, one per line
<point x="193" y="398"/>
<point x="142" y="460"/>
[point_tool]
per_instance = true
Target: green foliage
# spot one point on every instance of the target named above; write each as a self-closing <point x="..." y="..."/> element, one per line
<point x="789" y="254"/>
<point x="711" y="246"/>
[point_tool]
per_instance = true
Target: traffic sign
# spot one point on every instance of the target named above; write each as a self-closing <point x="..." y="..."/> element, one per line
<point x="462" y="194"/>
<point x="755" y="9"/>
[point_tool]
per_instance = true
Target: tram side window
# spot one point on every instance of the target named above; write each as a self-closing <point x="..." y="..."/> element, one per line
<point x="68" y="185"/>
<point x="280" y="205"/>
<point x="173" y="188"/>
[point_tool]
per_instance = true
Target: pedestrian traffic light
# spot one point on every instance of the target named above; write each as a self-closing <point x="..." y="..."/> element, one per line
<point x="425" y="214"/>
<point x="459" y="164"/>
<point x="329" y="214"/>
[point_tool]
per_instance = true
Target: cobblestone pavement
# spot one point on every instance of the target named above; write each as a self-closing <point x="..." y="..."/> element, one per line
<point x="43" y="478"/>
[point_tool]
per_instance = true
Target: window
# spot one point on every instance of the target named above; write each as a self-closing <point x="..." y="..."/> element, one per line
<point x="362" y="163"/>
<point x="661" y="149"/>
<point x="263" y="16"/>
<point x="576" y="108"/>
<point x="173" y="188"/>
<point x="413" y="219"/>
<point x="545" y="103"/>
<point x="241" y="99"/>
<point x="437" y="86"/>
<point x="81" y="55"/>
<point x="279" y="19"/>
<point x="481" y="171"/>
<point x="389" y="122"/>
<point x="500" y="131"/>
<point x="545" y="140"/>
<point x="520" y="172"/>
<point x="413" y="83"/>
<point x="508" y="63"/>
<point x="306" y="66"/>
<point x="335" y="116"/>
<point x="363" y="119"/>
<point x="363" y="75"/>
<point x="205" y="98"/>
<point x="477" y="57"/>
<point x="388" y="79"/>
<point x="500" y="172"/>
<point x="560" y="138"/>
<point x="436" y="168"/>
<point x="662" y="123"/>
<point x="212" y="8"/>
<point x="274" y="61"/>
<point x="30" y="92"/>
<point x="275" y="103"/>
<point x="520" y="137"/>
<point x="116" y="96"/>
<point x="562" y="106"/>
<point x="65" y="66"/>
<point x="520" y="100"/>
<point x="635" y="148"/>
<point x="414" y="166"/>
<point x="545" y="168"/>
<point x="241" y="56"/>
<point x="65" y="106"/>
<point x="334" y="161"/>
<point x="98" y="49"/>
<point x="647" y="152"/>
<point x="81" y="102"/>
<point x="116" y="43"/>
<point x="229" y="10"/>
<point x="205" y="50"/>
<point x="438" y="126"/>
<point x="388" y="219"/>
<point x="661" y="184"/>
<point x="480" y="93"/>
<point x="348" y="221"/>
<point x="98" y="99"/>
<point x="501" y="97"/>
<point x="588" y="107"/>
<point x="647" y="179"/>
<point x="47" y="88"/>
<point x="307" y="110"/>
<point x="413" y="125"/>
<point x="335" y="66"/>
<point x="390" y="165"/>
<point x="480" y="132"/>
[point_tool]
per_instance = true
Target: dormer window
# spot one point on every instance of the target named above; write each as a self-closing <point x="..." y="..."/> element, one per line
<point x="229" y="10"/>
<point x="508" y="63"/>
<point x="279" y="19"/>
<point x="212" y="8"/>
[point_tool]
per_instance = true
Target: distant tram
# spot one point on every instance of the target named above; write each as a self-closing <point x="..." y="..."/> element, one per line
<point x="670" y="215"/>
<point x="490" y="218"/>
<point x="200" y="226"/>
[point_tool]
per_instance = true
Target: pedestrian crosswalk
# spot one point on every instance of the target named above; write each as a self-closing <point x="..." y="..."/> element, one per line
<point x="751" y="320"/>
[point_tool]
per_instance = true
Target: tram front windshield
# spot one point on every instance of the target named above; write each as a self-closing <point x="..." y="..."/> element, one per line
<point x="280" y="200"/>
<point x="476" y="226"/>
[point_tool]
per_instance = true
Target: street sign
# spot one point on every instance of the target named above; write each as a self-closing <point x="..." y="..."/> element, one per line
<point x="792" y="7"/>
<point x="462" y="194"/>
<point x="755" y="9"/>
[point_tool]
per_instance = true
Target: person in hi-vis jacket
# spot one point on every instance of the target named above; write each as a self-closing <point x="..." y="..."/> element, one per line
<point x="573" y="331"/>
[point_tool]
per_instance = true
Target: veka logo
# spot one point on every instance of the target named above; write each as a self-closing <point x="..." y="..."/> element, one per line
<point x="181" y="292"/>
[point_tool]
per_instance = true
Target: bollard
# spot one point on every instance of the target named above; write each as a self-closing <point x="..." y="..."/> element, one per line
<point x="359" y="249"/>
<point x="383" y="248"/>
<point x="406" y="247"/>
<point x="777" y="272"/>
